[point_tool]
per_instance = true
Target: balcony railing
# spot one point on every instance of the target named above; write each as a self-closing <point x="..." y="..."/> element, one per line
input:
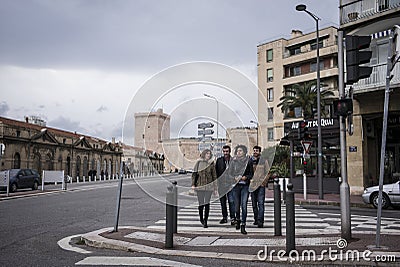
<point x="307" y="48"/>
<point x="378" y="78"/>
<point x="365" y="8"/>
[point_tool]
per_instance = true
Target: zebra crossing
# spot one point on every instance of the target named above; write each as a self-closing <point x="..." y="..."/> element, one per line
<point x="306" y="222"/>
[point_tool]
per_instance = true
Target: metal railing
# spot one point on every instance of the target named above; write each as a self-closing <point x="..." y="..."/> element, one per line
<point x="307" y="48"/>
<point x="378" y="78"/>
<point x="365" y="8"/>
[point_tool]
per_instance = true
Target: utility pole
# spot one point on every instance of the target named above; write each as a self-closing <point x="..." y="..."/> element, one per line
<point x="344" y="185"/>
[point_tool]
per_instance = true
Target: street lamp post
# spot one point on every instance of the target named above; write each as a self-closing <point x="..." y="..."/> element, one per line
<point x="216" y="100"/>
<point x="256" y="123"/>
<point x="302" y="7"/>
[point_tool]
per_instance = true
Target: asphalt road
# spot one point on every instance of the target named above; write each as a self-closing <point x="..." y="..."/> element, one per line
<point x="30" y="227"/>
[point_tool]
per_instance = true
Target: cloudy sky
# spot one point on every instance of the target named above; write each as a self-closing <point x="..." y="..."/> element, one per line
<point x="78" y="63"/>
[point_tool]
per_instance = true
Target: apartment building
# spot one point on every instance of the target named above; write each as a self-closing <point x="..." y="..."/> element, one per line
<point x="285" y="62"/>
<point x="375" y="18"/>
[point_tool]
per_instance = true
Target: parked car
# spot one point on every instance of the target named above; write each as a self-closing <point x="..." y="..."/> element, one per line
<point x="182" y="171"/>
<point x="390" y="195"/>
<point x="23" y="178"/>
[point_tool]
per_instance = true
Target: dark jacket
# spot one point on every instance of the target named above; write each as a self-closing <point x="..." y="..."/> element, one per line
<point x="241" y="167"/>
<point x="225" y="184"/>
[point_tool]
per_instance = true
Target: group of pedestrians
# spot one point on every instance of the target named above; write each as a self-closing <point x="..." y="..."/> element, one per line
<point x="234" y="178"/>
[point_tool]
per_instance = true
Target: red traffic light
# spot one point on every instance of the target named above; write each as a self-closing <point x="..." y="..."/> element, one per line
<point x="343" y="107"/>
<point x="304" y="162"/>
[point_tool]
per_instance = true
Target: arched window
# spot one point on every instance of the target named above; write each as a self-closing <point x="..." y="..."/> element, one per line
<point x="49" y="162"/>
<point x="85" y="166"/>
<point x="37" y="163"/>
<point x="78" y="167"/>
<point x="60" y="163"/>
<point x="68" y="165"/>
<point x="17" y="161"/>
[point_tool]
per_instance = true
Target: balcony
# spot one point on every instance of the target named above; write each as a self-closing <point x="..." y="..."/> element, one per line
<point x="377" y="80"/>
<point x="360" y="9"/>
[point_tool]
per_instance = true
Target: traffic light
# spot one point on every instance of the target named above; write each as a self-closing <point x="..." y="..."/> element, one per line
<point x="302" y="130"/>
<point x="355" y="58"/>
<point x="395" y="46"/>
<point x="343" y="107"/>
<point x="305" y="165"/>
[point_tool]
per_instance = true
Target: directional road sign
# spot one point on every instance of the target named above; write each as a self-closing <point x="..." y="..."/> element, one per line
<point x="204" y="131"/>
<point x="205" y="125"/>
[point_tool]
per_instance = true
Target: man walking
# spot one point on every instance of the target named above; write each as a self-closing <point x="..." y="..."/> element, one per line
<point x="225" y="185"/>
<point x="257" y="186"/>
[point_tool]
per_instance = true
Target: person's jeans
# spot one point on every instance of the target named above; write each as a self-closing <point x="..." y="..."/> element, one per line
<point x="241" y="193"/>
<point x="231" y="202"/>
<point x="257" y="201"/>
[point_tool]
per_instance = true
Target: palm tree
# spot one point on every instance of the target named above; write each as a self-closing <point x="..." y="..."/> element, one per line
<point x="303" y="96"/>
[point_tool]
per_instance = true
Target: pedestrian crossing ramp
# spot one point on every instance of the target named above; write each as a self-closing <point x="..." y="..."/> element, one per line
<point x="306" y="222"/>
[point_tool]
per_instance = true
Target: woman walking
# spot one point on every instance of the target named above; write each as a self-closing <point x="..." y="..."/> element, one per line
<point x="203" y="178"/>
<point x="241" y="169"/>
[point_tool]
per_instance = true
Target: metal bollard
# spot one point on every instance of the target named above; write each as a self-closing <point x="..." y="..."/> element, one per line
<point x="169" y="225"/>
<point x="175" y="204"/>
<point x="284" y="189"/>
<point x="277" y="208"/>
<point x="290" y="220"/>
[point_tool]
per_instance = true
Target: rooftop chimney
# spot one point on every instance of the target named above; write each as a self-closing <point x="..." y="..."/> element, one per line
<point x="296" y="33"/>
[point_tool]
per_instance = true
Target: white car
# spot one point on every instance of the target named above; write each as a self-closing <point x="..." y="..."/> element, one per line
<point x="390" y="195"/>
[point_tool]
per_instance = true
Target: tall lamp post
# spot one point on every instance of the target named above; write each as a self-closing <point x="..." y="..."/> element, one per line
<point x="256" y="123"/>
<point x="216" y="100"/>
<point x="302" y="7"/>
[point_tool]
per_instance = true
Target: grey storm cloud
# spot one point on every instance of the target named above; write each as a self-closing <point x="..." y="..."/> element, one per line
<point x="4" y="108"/>
<point x="141" y="34"/>
<point x="71" y="47"/>
<point x="66" y="124"/>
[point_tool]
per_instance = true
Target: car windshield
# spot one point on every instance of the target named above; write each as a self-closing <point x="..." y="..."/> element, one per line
<point x="14" y="172"/>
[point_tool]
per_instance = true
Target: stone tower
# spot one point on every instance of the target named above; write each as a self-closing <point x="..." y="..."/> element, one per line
<point x="151" y="128"/>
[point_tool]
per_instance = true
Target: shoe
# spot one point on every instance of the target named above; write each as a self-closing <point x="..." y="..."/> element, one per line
<point x="202" y="221"/>
<point x="224" y="220"/>
<point x="243" y="229"/>
<point x="233" y="222"/>
<point x="260" y="225"/>
<point x="255" y="223"/>
<point x="237" y="225"/>
<point x="205" y="224"/>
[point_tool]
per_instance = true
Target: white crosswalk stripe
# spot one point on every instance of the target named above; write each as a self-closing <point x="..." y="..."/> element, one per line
<point x="305" y="221"/>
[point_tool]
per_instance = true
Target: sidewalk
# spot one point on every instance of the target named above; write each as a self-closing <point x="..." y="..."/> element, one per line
<point x="311" y="247"/>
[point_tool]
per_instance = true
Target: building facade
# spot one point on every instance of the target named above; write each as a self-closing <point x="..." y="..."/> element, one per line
<point x="375" y="18"/>
<point x="140" y="162"/>
<point x="285" y="62"/>
<point x="29" y="145"/>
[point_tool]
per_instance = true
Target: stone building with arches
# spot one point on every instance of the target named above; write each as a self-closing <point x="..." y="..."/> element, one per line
<point x="38" y="147"/>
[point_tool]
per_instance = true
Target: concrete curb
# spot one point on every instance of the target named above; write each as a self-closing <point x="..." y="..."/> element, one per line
<point x="330" y="203"/>
<point x="94" y="239"/>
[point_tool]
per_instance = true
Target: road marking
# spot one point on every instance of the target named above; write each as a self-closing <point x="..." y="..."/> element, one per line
<point x="65" y="244"/>
<point x="132" y="261"/>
